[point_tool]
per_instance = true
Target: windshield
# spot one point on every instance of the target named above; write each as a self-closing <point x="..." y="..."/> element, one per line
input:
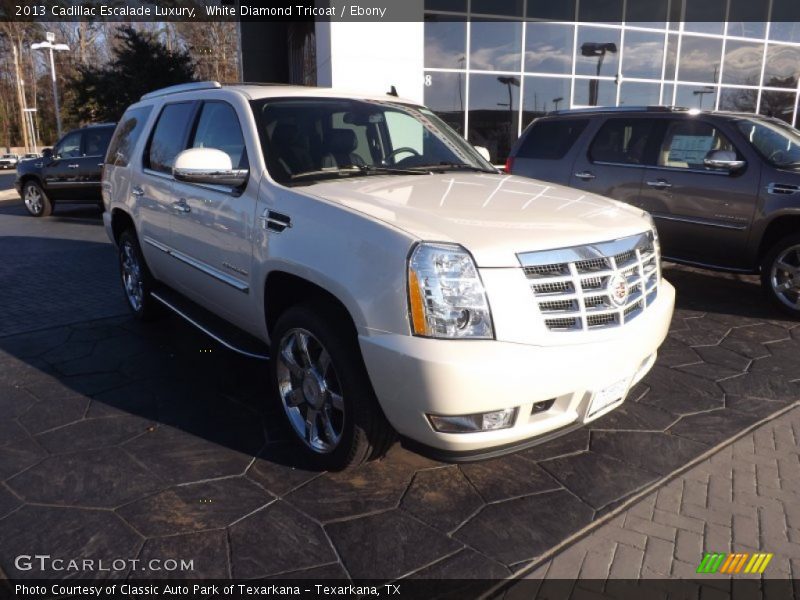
<point x="778" y="143"/>
<point x="307" y="139"/>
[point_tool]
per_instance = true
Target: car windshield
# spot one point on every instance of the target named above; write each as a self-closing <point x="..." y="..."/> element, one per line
<point x="778" y="143"/>
<point x="309" y="139"/>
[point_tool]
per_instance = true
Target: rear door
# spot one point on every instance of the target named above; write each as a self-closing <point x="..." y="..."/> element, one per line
<point x="90" y="164"/>
<point x="703" y="214"/>
<point x="545" y="151"/>
<point x="614" y="162"/>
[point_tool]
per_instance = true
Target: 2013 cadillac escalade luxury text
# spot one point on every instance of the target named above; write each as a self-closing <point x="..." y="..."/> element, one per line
<point x="401" y="282"/>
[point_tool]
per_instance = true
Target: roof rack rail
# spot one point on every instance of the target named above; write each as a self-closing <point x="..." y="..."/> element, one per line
<point x="182" y="87"/>
<point x="620" y="109"/>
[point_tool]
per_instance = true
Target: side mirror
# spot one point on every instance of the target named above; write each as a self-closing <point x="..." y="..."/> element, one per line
<point x="484" y="152"/>
<point x="723" y="159"/>
<point x="47" y="153"/>
<point x="207" y="165"/>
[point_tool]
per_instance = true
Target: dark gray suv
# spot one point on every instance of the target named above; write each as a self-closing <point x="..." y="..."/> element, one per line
<point x="724" y="188"/>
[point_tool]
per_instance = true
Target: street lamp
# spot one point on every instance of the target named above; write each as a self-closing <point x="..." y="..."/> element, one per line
<point x="702" y="93"/>
<point x="557" y="101"/>
<point x="49" y="45"/>
<point x="599" y="50"/>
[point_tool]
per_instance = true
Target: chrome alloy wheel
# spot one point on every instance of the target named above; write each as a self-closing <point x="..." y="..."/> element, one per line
<point x="132" y="276"/>
<point x="310" y="391"/>
<point x="33" y="199"/>
<point x="785" y="277"/>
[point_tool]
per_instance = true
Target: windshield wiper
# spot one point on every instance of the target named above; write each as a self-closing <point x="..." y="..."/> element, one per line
<point x="449" y="166"/>
<point x="353" y="170"/>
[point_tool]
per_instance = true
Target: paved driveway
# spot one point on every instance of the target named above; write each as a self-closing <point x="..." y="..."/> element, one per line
<point x="123" y="440"/>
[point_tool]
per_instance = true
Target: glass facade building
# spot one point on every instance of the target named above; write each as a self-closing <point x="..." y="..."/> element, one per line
<point x="491" y="66"/>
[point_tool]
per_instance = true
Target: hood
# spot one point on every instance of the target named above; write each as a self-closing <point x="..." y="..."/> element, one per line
<point x="494" y="216"/>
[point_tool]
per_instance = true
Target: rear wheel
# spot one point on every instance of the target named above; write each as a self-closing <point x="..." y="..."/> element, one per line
<point x="137" y="281"/>
<point x="780" y="275"/>
<point x="325" y="390"/>
<point x="36" y="201"/>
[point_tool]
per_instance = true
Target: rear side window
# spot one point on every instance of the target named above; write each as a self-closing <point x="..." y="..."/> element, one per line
<point x="219" y="128"/>
<point x="622" y="141"/>
<point x="551" y="140"/>
<point x="169" y="136"/>
<point x="95" y="141"/>
<point x="127" y="133"/>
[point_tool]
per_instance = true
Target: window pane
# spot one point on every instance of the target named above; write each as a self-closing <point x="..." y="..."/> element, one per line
<point x="643" y="55"/>
<point x="548" y="48"/>
<point x="595" y="92"/>
<point x="126" y="135"/>
<point x="448" y="5"/>
<point x="747" y="18"/>
<point x="219" y="128"/>
<point x="95" y="142"/>
<point x="742" y="62"/>
<point x="634" y="93"/>
<point x="687" y="143"/>
<point x="666" y="94"/>
<point x="554" y="11"/>
<point x="444" y="95"/>
<point x="672" y="57"/>
<point x="597" y="50"/>
<point x="699" y="59"/>
<point x="738" y="100"/>
<point x="696" y="96"/>
<point x="621" y="141"/>
<point x="755" y="29"/>
<point x="784" y="32"/>
<point x="600" y="11"/>
<point x="778" y="104"/>
<point x="70" y="146"/>
<point x="169" y="136"/>
<point x="492" y="122"/>
<point x="542" y="95"/>
<point x="498" y="7"/>
<point x="445" y="43"/>
<point x="495" y="45"/>
<point x="551" y="140"/>
<point x="783" y="66"/>
<point x="707" y="16"/>
<point x="785" y="21"/>
<point x="647" y="13"/>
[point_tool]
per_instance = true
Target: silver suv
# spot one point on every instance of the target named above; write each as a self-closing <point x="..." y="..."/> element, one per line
<point x="398" y="281"/>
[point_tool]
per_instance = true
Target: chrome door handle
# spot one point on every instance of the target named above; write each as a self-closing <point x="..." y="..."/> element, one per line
<point x="660" y="184"/>
<point x="137" y="191"/>
<point x="585" y="175"/>
<point x="181" y="206"/>
<point x="73" y="166"/>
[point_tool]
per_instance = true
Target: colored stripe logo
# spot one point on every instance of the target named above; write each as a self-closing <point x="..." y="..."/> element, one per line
<point x="733" y="564"/>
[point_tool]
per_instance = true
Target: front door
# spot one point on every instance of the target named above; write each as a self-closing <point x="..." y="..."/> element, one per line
<point x="61" y="172"/>
<point x="703" y="214"/>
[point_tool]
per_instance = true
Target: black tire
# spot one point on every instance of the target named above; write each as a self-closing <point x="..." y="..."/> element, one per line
<point x="365" y="432"/>
<point x="36" y="201"/>
<point x="787" y="252"/>
<point x="138" y="289"/>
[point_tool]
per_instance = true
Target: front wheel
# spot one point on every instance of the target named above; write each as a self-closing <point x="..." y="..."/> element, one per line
<point x="325" y="390"/>
<point x="780" y="275"/>
<point x="36" y="201"/>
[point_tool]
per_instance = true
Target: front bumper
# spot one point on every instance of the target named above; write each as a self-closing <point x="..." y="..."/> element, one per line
<point x="414" y="377"/>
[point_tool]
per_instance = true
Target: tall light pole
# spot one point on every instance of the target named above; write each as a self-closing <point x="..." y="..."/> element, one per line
<point x="49" y="45"/>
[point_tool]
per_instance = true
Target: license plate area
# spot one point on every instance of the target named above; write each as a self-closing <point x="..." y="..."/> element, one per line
<point x="608" y="396"/>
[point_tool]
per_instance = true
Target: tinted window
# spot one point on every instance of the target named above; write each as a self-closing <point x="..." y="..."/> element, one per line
<point x="219" y="128"/>
<point x="493" y="113"/>
<point x="700" y="58"/>
<point x="687" y="143"/>
<point x="445" y="94"/>
<point x="782" y="67"/>
<point x="445" y="42"/>
<point x="126" y="135"/>
<point x="643" y="54"/>
<point x="70" y="146"/>
<point x="495" y="45"/>
<point x="551" y="140"/>
<point x="169" y="136"/>
<point x="548" y="48"/>
<point x="622" y="141"/>
<point x="742" y="62"/>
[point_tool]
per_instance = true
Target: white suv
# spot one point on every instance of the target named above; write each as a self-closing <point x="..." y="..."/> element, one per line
<point x="398" y="280"/>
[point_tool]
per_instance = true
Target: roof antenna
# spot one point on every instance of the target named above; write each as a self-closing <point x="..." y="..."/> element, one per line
<point x="392" y="92"/>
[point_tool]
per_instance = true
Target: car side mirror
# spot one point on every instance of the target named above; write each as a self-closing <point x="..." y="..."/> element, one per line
<point x="723" y="159"/>
<point x="47" y="153"/>
<point x="207" y="165"/>
<point x="484" y="152"/>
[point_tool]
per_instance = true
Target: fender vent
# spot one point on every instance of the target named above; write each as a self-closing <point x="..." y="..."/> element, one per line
<point x="783" y="188"/>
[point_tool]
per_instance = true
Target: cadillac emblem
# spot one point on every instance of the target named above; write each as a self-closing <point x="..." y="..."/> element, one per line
<point x="618" y="289"/>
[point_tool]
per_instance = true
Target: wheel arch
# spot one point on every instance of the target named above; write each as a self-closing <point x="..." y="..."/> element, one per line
<point x="777" y="229"/>
<point x="121" y="220"/>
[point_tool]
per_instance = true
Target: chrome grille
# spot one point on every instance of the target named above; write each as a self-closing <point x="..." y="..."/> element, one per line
<point x="571" y="286"/>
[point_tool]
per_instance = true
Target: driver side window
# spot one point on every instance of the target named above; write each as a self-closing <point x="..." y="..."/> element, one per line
<point x="69" y="147"/>
<point x="687" y="143"/>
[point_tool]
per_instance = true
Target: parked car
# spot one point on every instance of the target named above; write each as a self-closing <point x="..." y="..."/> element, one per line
<point x="30" y="156"/>
<point x="8" y="161"/>
<point x="724" y="188"/>
<point x="401" y="283"/>
<point x="69" y="172"/>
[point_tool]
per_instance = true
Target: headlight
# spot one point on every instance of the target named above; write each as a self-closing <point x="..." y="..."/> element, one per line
<point x="445" y="293"/>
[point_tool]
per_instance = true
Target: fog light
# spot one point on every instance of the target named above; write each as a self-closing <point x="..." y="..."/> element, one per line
<point x="490" y="421"/>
